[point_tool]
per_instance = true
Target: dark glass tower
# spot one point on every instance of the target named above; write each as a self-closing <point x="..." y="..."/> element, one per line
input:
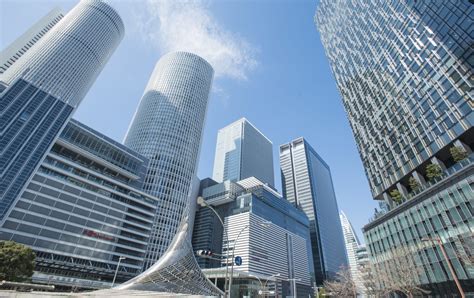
<point x="307" y="183"/>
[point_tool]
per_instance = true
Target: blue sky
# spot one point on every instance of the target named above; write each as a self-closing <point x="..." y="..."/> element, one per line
<point x="270" y="68"/>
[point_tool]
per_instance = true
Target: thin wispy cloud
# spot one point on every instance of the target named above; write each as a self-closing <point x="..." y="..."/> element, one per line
<point x="188" y="25"/>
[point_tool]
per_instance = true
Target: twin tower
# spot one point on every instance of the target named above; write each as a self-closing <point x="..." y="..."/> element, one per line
<point x="48" y="75"/>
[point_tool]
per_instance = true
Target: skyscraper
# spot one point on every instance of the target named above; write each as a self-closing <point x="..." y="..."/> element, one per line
<point x="352" y="245"/>
<point x="46" y="85"/>
<point x="242" y="151"/>
<point x="26" y="41"/>
<point x="167" y="129"/>
<point x="307" y="183"/>
<point x="405" y="73"/>
<point x="404" y="70"/>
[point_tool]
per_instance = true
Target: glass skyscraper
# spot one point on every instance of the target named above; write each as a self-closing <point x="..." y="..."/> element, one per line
<point x="242" y="151"/>
<point x="352" y="245"/>
<point x="167" y="129"/>
<point x="405" y="73"/>
<point x="307" y="183"/>
<point x="46" y="85"/>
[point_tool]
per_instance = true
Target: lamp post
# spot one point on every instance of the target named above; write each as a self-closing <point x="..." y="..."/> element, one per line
<point x="266" y="282"/>
<point x="261" y="284"/>
<point x="203" y="203"/>
<point x="263" y="224"/>
<point x="453" y="273"/>
<point x="116" y="269"/>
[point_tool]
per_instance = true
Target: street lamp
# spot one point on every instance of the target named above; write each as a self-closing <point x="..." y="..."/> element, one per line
<point x="261" y="284"/>
<point x="265" y="224"/>
<point x="116" y="270"/>
<point x="201" y="202"/>
<point x="266" y="282"/>
<point x="453" y="273"/>
<point x="264" y="285"/>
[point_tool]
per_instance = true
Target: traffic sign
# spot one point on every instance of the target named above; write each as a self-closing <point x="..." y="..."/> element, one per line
<point x="238" y="261"/>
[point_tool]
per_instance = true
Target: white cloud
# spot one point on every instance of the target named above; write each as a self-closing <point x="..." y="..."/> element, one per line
<point x="188" y="25"/>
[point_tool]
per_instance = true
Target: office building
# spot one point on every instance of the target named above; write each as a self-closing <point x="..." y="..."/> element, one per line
<point x="265" y="230"/>
<point x="352" y="245"/>
<point x="404" y="70"/>
<point x="406" y="95"/>
<point x="167" y="129"/>
<point x="83" y="210"/>
<point x="26" y="41"/>
<point x="307" y="184"/>
<point x="46" y="85"/>
<point x="242" y="151"/>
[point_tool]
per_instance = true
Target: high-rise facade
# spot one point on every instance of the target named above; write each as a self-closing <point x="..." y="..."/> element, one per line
<point x="46" y="85"/>
<point x="261" y="216"/>
<point x="242" y="151"/>
<point x="352" y="245"/>
<point x="307" y="183"/>
<point x="167" y="128"/>
<point x="404" y="70"/>
<point x="83" y="210"/>
<point x="26" y="41"/>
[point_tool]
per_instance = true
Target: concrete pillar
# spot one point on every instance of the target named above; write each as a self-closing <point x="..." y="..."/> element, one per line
<point x="388" y="200"/>
<point x="419" y="178"/>
<point x="403" y="190"/>
<point x="459" y="143"/>
<point x="436" y="161"/>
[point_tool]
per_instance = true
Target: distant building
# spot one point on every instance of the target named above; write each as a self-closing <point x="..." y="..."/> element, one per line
<point x="242" y="151"/>
<point x="307" y="183"/>
<point x="26" y="41"/>
<point x="84" y="209"/>
<point x="41" y="91"/>
<point x="274" y="238"/>
<point x="167" y="129"/>
<point x="352" y="245"/>
<point x="404" y="70"/>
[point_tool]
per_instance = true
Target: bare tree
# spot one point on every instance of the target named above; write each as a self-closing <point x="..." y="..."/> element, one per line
<point x="369" y="275"/>
<point x="467" y="244"/>
<point x="398" y="273"/>
<point x="342" y="286"/>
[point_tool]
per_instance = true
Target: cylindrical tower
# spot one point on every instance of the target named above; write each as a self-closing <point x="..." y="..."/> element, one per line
<point x="167" y="128"/>
<point x="40" y="91"/>
<point x="66" y="60"/>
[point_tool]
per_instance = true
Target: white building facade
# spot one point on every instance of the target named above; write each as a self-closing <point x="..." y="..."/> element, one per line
<point x="27" y="40"/>
<point x="352" y="246"/>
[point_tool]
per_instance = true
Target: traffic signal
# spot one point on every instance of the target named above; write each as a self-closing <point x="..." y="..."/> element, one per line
<point x="203" y="252"/>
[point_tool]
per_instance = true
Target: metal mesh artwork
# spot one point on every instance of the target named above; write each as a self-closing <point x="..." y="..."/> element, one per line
<point x="177" y="271"/>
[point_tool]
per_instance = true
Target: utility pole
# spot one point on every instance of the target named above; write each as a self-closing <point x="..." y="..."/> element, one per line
<point x="294" y="285"/>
